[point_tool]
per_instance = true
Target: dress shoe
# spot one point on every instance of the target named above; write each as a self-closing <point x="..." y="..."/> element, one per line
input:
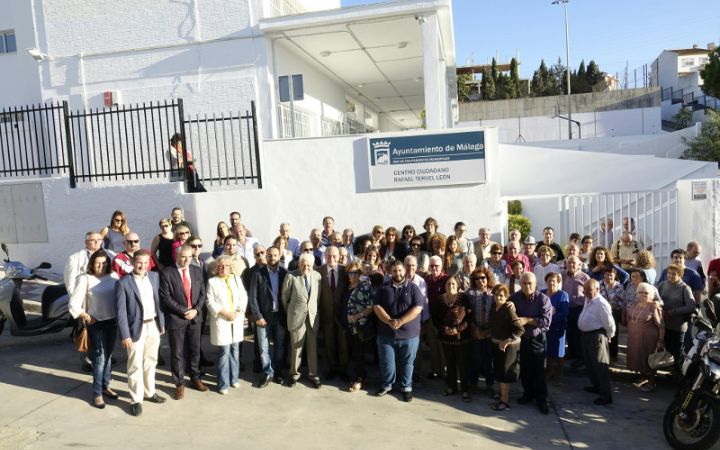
<point x="136" y="409"/>
<point x="277" y="379"/>
<point x="602" y="401"/>
<point x="156" y="399"/>
<point x="524" y="400"/>
<point x="109" y="393"/>
<point x="291" y="382"/>
<point x="180" y="392"/>
<point x="264" y="381"/>
<point x="99" y="403"/>
<point x="407" y="396"/>
<point x="316" y="383"/>
<point x="381" y="392"/>
<point x="543" y="407"/>
<point x="591" y="389"/>
<point x="199" y="386"/>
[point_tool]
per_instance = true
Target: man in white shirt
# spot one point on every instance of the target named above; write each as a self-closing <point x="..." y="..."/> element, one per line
<point x="77" y="262"/>
<point x="598" y="327"/>
<point x="245" y="244"/>
<point x="293" y="244"/>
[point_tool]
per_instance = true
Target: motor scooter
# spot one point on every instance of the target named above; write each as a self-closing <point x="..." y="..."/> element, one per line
<point x="54" y="301"/>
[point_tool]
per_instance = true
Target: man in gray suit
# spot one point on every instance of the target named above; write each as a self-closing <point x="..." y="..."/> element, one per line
<point x="300" y="293"/>
<point x="140" y="323"/>
<point x="333" y="287"/>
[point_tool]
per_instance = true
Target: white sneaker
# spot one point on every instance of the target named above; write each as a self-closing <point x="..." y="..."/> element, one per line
<point x="223" y="392"/>
<point x="235" y="385"/>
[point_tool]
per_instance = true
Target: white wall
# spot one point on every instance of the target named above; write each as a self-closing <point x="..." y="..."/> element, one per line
<point x="668" y="69"/>
<point x="20" y="77"/>
<point x="626" y="122"/>
<point x="701" y="218"/>
<point x="303" y="180"/>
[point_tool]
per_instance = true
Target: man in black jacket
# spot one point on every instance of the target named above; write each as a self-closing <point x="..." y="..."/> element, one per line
<point x="269" y="315"/>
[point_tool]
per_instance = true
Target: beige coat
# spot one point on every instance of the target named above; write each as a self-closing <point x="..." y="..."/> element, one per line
<point x="223" y="331"/>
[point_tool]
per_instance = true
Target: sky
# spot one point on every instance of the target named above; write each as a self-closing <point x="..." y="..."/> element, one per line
<point x="612" y="32"/>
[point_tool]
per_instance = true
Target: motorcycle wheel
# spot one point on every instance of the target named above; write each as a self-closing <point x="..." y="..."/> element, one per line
<point x="699" y="431"/>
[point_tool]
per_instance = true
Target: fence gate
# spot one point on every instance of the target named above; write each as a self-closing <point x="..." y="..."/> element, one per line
<point x="653" y="214"/>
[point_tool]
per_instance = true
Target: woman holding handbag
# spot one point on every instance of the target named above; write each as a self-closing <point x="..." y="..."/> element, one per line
<point x="646" y="334"/>
<point x="226" y="303"/>
<point x="93" y="301"/>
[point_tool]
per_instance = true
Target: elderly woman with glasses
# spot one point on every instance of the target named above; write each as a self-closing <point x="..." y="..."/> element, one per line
<point x="226" y="302"/>
<point x="113" y="235"/>
<point x="497" y="264"/>
<point x="479" y="300"/>
<point x="162" y="245"/>
<point x="359" y="320"/>
<point x="646" y="334"/>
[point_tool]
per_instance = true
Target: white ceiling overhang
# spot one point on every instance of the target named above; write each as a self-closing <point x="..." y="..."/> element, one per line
<point x="376" y="51"/>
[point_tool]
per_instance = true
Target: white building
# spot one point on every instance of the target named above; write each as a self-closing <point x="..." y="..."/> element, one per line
<point x="374" y="67"/>
<point x="680" y="68"/>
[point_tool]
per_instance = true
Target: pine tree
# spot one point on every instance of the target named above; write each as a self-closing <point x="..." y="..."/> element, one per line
<point x="711" y="74"/>
<point x="558" y="78"/>
<point x="514" y="81"/>
<point x="593" y="74"/>
<point x="494" y="70"/>
<point x="544" y="78"/>
<point x="490" y="88"/>
<point x="484" y="84"/>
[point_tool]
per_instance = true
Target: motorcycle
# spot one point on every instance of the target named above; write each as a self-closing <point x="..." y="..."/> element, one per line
<point x="54" y="301"/>
<point x="692" y="420"/>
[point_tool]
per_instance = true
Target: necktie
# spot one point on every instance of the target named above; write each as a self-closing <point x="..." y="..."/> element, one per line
<point x="307" y="285"/>
<point x="186" y="287"/>
<point x="230" y="293"/>
<point x="332" y="281"/>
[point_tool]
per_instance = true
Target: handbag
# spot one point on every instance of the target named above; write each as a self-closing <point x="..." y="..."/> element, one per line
<point x="660" y="360"/>
<point x="81" y="340"/>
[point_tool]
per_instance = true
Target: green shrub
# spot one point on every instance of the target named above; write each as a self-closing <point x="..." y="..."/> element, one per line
<point x="514" y="207"/>
<point x="520" y="222"/>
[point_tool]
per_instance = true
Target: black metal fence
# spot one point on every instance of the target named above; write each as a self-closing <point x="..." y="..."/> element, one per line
<point x="131" y="142"/>
<point x="33" y="140"/>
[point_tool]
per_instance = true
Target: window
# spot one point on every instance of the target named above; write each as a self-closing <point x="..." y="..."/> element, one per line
<point x="687" y="62"/>
<point x="291" y="87"/>
<point x="7" y="42"/>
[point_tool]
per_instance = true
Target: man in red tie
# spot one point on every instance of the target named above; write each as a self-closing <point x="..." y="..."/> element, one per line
<point x="182" y="295"/>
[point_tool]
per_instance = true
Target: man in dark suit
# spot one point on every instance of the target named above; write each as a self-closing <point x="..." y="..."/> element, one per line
<point x="333" y="286"/>
<point x="269" y="315"/>
<point x="182" y="294"/>
<point x="140" y="323"/>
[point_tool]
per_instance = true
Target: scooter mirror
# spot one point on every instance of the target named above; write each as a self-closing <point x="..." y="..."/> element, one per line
<point x="44" y="265"/>
<point x="5" y="249"/>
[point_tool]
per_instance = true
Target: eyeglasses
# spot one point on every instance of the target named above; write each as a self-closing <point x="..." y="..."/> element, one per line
<point x="496" y="253"/>
<point x="131" y="241"/>
<point x="196" y="245"/>
<point x="183" y="234"/>
<point x="434" y="265"/>
<point x="117" y="220"/>
<point x="353" y="273"/>
<point x="414" y="245"/>
<point x="258" y="254"/>
<point x="482" y="277"/>
<point x="307" y="249"/>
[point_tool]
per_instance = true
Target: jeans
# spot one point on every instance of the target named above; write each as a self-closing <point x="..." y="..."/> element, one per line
<point x="271" y="362"/>
<point x="228" y="365"/>
<point x="102" y="336"/>
<point x="402" y="350"/>
<point x="481" y="361"/>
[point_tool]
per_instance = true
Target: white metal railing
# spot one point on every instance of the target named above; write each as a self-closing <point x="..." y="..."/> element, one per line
<point x="654" y="214"/>
<point x="295" y="121"/>
<point x="277" y="8"/>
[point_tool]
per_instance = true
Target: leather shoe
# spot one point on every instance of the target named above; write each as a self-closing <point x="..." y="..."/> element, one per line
<point x="381" y="392"/>
<point x="543" y="408"/>
<point x="291" y="382"/>
<point x="524" y="400"/>
<point x="591" y="389"/>
<point x="407" y="396"/>
<point x="316" y="383"/>
<point x="264" y="381"/>
<point x="109" y="393"/>
<point x="99" y="403"/>
<point x="277" y="379"/>
<point x="156" y="399"/>
<point x="602" y="401"/>
<point x="198" y="385"/>
<point x="180" y="392"/>
<point x="136" y="409"/>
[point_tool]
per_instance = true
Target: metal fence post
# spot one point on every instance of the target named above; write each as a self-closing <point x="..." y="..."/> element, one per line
<point x="257" y="147"/>
<point x="68" y="144"/>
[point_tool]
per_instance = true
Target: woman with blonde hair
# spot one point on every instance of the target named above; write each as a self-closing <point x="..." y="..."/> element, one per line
<point x="645" y="261"/>
<point x="161" y="246"/>
<point x="114" y="235"/>
<point x="221" y="231"/>
<point x="226" y="303"/>
<point x="182" y="233"/>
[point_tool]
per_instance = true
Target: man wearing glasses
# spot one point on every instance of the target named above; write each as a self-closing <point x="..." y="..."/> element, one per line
<point x="122" y="264"/>
<point x="77" y="262"/>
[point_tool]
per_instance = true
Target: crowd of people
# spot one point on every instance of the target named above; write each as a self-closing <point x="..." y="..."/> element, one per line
<point x="483" y="310"/>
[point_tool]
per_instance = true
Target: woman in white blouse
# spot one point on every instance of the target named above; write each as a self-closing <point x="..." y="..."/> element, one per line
<point x="226" y="303"/>
<point x="93" y="301"/>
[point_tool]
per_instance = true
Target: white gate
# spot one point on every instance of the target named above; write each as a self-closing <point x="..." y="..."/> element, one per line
<point x="653" y="214"/>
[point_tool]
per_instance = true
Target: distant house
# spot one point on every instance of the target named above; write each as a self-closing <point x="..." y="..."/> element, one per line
<point x="680" y="68"/>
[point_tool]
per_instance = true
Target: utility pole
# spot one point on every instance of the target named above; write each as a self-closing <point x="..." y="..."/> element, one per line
<point x="567" y="64"/>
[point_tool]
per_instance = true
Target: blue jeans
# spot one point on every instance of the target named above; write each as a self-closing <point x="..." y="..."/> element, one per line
<point x="402" y="350"/>
<point x="274" y="362"/>
<point x="228" y="365"/>
<point x="102" y="336"/>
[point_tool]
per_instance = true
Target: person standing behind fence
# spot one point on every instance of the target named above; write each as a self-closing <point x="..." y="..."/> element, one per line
<point x="113" y="235"/>
<point x="179" y="160"/>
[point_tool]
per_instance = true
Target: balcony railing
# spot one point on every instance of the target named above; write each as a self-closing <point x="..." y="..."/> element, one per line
<point x="299" y="122"/>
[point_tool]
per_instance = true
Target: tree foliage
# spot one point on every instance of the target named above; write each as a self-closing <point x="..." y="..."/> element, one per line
<point x="683" y="118"/>
<point x="705" y="146"/>
<point x="463" y="88"/>
<point x="520" y="222"/>
<point x="711" y="74"/>
<point x="553" y="81"/>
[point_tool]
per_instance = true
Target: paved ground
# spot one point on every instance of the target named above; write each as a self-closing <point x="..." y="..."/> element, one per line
<point x="45" y="404"/>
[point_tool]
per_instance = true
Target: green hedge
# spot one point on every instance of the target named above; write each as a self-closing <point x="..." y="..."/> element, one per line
<point x="520" y="222"/>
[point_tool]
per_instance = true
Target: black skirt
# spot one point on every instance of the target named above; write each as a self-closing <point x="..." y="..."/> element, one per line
<point x="505" y="364"/>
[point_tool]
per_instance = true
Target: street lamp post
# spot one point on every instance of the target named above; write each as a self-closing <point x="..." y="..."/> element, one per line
<point x="567" y="64"/>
